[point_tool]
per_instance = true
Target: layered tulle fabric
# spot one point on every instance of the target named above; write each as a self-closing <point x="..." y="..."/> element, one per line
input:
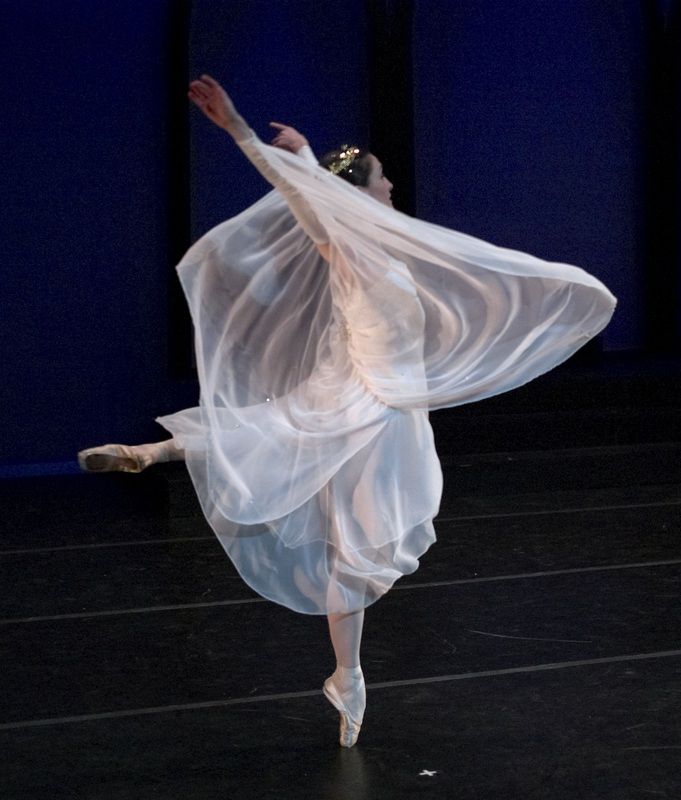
<point x="311" y="451"/>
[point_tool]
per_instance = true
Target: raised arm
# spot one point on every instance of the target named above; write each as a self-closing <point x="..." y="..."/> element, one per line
<point x="290" y="139"/>
<point x="217" y="105"/>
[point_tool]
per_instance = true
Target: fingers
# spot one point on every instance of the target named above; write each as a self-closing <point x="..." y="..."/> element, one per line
<point x="197" y="89"/>
<point x="202" y="85"/>
<point x="284" y="135"/>
<point x="198" y="92"/>
<point x="196" y="98"/>
<point x="205" y="87"/>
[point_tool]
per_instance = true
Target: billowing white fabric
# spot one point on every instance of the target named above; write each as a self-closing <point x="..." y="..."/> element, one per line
<point x="311" y="451"/>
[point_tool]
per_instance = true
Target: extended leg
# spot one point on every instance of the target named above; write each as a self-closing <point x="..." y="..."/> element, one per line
<point x="128" y="458"/>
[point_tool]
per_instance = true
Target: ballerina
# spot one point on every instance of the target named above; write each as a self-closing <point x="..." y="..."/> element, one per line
<point x="327" y="324"/>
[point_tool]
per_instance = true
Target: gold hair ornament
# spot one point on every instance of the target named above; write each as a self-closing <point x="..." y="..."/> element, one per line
<point x="347" y="155"/>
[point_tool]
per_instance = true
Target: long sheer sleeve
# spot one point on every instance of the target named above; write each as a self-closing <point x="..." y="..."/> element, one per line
<point x="300" y="208"/>
<point x="307" y="154"/>
<point x="328" y="374"/>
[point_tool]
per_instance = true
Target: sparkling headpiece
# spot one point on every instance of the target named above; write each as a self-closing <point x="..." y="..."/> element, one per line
<point x="347" y="155"/>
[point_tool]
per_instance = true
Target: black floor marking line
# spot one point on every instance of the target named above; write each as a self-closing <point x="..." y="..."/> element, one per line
<point x="399" y="587"/>
<point x="464" y="518"/>
<point x="544" y="574"/>
<point x="234" y="701"/>
<point x="99" y="545"/>
<point x="505" y="514"/>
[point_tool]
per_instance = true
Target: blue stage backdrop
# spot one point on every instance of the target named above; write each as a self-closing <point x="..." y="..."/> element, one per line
<point x="532" y="133"/>
<point x="525" y="123"/>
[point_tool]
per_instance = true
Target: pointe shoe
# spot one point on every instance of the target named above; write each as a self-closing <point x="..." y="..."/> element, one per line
<point x="350" y="705"/>
<point x="111" y="458"/>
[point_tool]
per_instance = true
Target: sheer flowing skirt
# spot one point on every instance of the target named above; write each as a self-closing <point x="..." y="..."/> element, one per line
<point x="310" y="450"/>
<point x="366" y="521"/>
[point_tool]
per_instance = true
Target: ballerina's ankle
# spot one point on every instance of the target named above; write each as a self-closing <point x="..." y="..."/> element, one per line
<point x="348" y="677"/>
<point x="156" y="452"/>
<point x="349" y="682"/>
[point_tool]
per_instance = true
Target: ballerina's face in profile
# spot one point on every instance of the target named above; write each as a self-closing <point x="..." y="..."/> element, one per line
<point x="362" y="170"/>
<point x="378" y="186"/>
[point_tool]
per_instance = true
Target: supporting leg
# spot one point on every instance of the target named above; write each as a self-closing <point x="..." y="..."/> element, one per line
<point x="345" y="631"/>
<point x="345" y="688"/>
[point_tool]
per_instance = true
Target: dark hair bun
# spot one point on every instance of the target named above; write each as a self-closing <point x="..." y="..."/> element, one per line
<point x="357" y="172"/>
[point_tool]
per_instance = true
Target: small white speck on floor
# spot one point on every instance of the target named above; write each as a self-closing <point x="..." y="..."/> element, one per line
<point x="427" y="773"/>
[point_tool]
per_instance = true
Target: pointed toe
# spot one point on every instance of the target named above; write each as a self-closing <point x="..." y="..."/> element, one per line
<point x="109" y="458"/>
<point x="350" y="705"/>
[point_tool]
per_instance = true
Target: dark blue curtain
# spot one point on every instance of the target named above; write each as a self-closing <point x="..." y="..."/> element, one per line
<point x="661" y="298"/>
<point x="550" y="127"/>
<point x="532" y="133"/>
<point x="301" y="63"/>
<point x="86" y="223"/>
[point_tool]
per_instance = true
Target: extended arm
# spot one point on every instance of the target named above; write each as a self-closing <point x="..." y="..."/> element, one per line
<point x="216" y="104"/>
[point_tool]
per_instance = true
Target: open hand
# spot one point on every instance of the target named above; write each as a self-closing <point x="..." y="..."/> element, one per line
<point x="214" y="101"/>
<point x="288" y="138"/>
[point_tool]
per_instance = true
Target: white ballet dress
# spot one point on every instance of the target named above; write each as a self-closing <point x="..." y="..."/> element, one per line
<point x="326" y="326"/>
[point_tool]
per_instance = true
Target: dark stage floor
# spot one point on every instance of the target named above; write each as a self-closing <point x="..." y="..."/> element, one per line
<point x="535" y="654"/>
